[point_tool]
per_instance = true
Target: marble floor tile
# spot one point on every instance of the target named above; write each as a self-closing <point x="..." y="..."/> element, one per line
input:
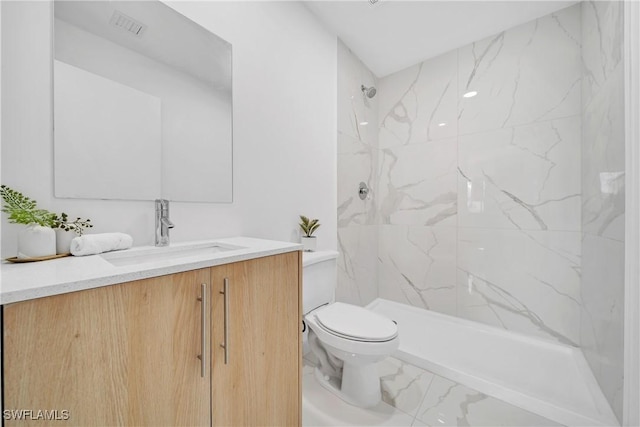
<point x="322" y="408"/>
<point x="448" y="403"/>
<point x="411" y="397"/>
<point x="403" y="385"/>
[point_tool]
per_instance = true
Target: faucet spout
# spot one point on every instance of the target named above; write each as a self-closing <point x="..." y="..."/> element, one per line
<point x="163" y="223"/>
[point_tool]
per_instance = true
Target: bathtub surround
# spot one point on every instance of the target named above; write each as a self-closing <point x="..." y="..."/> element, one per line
<point x="506" y="207"/>
<point x="548" y="379"/>
<point x="479" y="195"/>
<point x="284" y="102"/>
<point x="452" y="170"/>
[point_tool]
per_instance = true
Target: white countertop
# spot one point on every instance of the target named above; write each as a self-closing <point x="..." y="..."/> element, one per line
<point x="25" y="281"/>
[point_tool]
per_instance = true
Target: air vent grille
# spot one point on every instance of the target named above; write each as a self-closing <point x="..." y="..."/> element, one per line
<point x="126" y="23"/>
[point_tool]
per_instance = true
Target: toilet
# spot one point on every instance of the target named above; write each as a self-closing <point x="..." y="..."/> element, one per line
<point x="348" y="340"/>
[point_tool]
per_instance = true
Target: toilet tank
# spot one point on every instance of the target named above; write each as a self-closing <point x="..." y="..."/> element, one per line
<point x="319" y="279"/>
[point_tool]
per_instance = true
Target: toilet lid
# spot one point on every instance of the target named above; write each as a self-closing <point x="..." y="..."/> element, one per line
<point x="353" y="322"/>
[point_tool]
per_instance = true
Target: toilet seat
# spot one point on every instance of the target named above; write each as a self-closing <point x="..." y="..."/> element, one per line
<point x="355" y="323"/>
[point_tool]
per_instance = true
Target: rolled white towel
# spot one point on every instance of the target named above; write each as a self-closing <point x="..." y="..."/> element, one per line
<point x="92" y="244"/>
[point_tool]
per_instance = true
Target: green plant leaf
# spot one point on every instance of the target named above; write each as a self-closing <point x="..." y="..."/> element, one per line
<point x="22" y="210"/>
<point x="308" y="225"/>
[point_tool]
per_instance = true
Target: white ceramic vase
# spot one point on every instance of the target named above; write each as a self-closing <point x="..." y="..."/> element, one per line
<point x="308" y="243"/>
<point x="63" y="240"/>
<point x="36" y="241"/>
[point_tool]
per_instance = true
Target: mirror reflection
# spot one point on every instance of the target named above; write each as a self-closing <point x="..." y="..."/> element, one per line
<point x="142" y="104"/>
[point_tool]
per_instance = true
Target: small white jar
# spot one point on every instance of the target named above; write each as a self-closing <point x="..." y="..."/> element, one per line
<point x="36" y="241"/>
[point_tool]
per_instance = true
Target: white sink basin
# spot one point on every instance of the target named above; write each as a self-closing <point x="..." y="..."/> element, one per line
<point x="143" y="256"/>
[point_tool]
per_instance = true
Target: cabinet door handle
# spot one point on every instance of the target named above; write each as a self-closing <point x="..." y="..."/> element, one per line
<point x="225" y="344"/>
<point x="203" y="329"/>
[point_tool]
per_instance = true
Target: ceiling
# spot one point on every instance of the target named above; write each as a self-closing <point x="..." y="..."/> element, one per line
<point x="391" y="35"/>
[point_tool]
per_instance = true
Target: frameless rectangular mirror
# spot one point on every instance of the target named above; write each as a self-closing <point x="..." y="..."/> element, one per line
<point x="142" y="104"/>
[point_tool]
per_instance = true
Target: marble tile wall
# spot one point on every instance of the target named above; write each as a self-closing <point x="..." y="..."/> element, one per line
<point x="479" y="198"/>
<point x="357" y="159"/>
<point x="505" y="208"/>
<point x="417" y="200"/>
<point x="603" y="163"/>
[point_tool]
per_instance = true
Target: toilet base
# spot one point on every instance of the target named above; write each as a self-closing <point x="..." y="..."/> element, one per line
<point x="360" y="385"/>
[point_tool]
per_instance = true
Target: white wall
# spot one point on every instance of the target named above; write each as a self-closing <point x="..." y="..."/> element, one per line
<point x="284" y="90"/>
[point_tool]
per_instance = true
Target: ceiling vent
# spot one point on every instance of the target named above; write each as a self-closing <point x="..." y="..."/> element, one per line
<point x="130" y="25"/>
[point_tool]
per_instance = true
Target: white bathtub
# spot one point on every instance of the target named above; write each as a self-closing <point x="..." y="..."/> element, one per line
<point x="543" y="377"/>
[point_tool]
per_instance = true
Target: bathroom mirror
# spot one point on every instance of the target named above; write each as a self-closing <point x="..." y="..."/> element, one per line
<point x="142" y="104"/>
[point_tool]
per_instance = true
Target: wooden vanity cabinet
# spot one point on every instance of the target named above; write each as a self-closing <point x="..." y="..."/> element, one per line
<point x="128" y="354"/>
<point x="259" y="382"/>
<point x="116" y="355"/>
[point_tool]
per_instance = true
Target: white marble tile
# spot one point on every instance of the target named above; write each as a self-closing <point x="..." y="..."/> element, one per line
<point x="309" y="358"/>
<point x="403" y="385"/>
<point x="524" y="281"/>
<point x="417" y="184"/>
<point x="602" y="318"/>
<point x="320" y="407"/>
<point x="353" y="107"/>
<point x="419" y="104"/>
<point x="602" y="45"/>
<point x="417" y="266"/>
<point x="357" y="160"/>
<point x="354" y="168"/>
<point x="348" y="144"/>
<point x="525" y="177"/>
<point x="518" y="77"/>
<point x="603" y="160"/>
<point x="357" y="267"/>
<point x="603" y="203"/>
<point x="451" y="404"/>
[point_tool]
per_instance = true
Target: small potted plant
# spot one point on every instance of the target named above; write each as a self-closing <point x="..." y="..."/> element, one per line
<point x="66" y="230"/>
<point x="37" y="239"/>
<point x="308" y="226"/>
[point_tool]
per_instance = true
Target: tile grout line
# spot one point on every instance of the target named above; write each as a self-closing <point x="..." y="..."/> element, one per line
<point x="426" y="392"/>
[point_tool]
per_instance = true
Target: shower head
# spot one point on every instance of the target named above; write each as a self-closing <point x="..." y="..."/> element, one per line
<point x="370" y="92"/>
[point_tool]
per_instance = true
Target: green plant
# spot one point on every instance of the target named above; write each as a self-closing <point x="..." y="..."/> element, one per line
<point x="308" y="225"/>
<point x="23" y="210"/>
<point x="78" y="226"/>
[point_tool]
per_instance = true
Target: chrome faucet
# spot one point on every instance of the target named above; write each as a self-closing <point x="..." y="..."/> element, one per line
<point x="163" y="223"/>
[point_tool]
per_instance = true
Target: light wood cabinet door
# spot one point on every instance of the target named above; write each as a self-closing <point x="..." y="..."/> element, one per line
<point x="117" y="355"/>
<point x="259" y="384"/>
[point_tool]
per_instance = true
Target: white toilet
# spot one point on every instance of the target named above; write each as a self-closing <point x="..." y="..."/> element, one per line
<point x="348" y="340"/>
